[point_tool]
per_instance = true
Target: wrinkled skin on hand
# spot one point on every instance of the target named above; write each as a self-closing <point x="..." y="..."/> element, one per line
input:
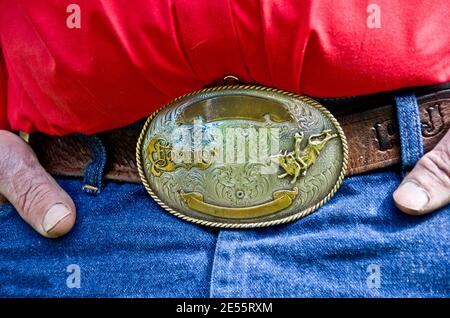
<point x="39" y="200"/>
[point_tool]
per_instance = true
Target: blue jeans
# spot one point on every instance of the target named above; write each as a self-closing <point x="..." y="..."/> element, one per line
<point x="124" y="244"/>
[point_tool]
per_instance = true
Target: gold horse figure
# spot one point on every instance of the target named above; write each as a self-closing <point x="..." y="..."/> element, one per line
<point x="298" y="161"/>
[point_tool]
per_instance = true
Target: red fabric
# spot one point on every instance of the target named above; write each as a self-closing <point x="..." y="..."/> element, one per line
<point x="131" y="57"/>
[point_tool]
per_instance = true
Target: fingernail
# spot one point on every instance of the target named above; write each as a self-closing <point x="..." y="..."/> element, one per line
<point x="411" y="196"/>
<point x="55" y="214"/>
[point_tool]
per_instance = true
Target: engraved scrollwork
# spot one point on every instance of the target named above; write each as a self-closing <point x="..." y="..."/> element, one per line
<point x="239" y="184"/>
<point x="306" y="117"/>
<point x="313" y="184"/>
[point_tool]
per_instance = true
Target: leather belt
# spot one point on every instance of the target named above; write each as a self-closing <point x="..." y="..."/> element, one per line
<point x="369" y="124"/>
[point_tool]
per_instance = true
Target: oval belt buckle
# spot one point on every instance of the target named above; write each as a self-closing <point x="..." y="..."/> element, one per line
<point x="242" y="156"/>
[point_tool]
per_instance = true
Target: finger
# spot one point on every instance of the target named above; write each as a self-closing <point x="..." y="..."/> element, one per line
<point x="427" y="187"/>
<point x="40" y="201"/>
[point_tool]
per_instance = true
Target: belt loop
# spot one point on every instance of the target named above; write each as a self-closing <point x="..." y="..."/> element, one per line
<point x="410" y="130"/>
<point x="93" y="172"/>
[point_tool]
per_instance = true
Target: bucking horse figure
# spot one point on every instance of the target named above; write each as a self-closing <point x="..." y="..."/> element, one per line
<point x="297" y="162"/>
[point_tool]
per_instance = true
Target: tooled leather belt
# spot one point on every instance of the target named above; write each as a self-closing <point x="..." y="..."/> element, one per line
<point x="369" y="124"/>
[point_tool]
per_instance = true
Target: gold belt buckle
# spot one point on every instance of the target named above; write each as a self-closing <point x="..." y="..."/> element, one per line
<point x="242" y="156"/>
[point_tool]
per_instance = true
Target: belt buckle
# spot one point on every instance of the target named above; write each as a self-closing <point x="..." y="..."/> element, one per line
<point x="241" y="156"/>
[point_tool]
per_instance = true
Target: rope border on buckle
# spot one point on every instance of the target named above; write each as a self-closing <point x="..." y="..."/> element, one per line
<point x="290" y="218"/>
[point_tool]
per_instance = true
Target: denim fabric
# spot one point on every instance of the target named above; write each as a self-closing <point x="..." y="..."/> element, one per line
<point x="93" y="172"/>
<point x="126" y="245"/>
<point x="410" y="130"/>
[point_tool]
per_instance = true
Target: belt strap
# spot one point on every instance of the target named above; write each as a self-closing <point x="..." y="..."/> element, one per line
<point x="372" y="135"/>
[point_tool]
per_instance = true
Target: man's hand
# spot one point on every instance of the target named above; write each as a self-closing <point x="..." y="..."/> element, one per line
<point x="37" y="197"/>
<point x="427" y="187"/>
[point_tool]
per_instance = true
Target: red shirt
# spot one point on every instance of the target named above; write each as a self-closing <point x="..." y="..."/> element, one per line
<point x="130" y="57"/>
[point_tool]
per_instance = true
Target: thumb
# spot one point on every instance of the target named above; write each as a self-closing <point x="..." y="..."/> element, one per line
<point x="40" y="201"/>
<point x="427" y="187"/>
